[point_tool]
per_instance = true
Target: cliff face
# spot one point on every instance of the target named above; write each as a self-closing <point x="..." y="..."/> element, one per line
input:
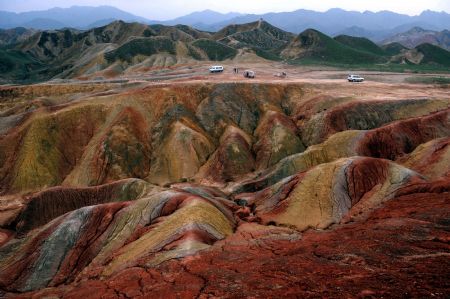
<point x="196" y="189"/>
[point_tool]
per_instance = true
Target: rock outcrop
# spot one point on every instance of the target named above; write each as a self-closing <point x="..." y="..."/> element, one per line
<point x="222" y="190"/>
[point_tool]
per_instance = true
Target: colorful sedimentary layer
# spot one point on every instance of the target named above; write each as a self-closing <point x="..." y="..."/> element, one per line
<point x="431" y="159"/>
<point x="363" y="115"/>
<point x="391" y="141"/>
<point x="105" y="238"/>
<point x="298" y="202"/>
<point x="44" y="206"/>
<point x="222" y="190"/>
<point x="232" y="159"/>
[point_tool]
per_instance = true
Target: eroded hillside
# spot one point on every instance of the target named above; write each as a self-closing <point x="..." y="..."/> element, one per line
<point x="198" y="189"/>
<point x="120" y="49"/>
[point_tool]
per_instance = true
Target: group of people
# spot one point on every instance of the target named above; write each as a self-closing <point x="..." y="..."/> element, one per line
<point x="236" y="70"/>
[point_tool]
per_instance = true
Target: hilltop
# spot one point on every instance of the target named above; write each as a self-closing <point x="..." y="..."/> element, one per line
<point x="317" y="46"/>
<point x="417" y="36"/>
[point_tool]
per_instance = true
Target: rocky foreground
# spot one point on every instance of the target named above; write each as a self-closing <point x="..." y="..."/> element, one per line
<point x="222" y="190"/>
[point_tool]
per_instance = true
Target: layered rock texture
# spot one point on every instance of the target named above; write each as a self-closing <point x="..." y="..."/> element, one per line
<point x="221" y="190"/>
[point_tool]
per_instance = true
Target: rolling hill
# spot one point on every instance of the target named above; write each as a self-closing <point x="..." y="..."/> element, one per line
<point x="377" y="26"/>
<point x="110" y="50"/>
<point x="15" y="35"/>
<point x="266" y="40"/>
<point x="200" y="19"/>
<point x="416" y="36"/>
<point x="424" y="54"/>
<point x="80" y="17"/>
<point x="394" y="48"/>
<point x="316" y="46"/>
<point x="71" y="53"/>
<point x="360" y="44"/>
<point x="433" y="54"/>
<point x="374" y="25"/>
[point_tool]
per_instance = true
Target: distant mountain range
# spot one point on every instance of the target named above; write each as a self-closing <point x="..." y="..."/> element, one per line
<point x="120" y="47"/>
<point x="79" y="17"/>
<point x="416" y="36"/>
<point x="375" y="26"/>
<point x="201" y="19"/>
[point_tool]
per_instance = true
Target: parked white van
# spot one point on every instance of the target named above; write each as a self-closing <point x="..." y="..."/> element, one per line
<point x="216" y="69"/>
<point x="355" y="78"/>
<point x="249" y="74"/>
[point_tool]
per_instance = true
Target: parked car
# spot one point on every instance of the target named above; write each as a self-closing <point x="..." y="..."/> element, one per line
<point x="355" y="78"/>
<point x="249" y="74"/>
<point x="216" y="69"/>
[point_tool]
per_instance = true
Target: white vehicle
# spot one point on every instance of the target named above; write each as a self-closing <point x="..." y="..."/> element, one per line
<point x="355" y="78"/>
<point x="216" y="69"/>
<point x="249" y="74"/>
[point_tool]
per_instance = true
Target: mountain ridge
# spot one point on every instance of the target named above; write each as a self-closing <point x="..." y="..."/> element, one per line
<point x="417" y="35"/>
<point x="375" y="25"/>
<point x="111" y="50"/>
<point x="75" y="16"/>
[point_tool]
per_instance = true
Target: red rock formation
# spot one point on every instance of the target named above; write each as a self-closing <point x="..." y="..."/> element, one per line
<point x="45" y="206"/>
<point x="431" y="159"/>
<point x="400" y="250"/>
<point x="402" y="137"/>
<point x="125" y="150"/>
<point x="363" y="211"/>
<point x="363" y="175"/>
<point x="232" y="159"/>
<point x="277" y="138"/>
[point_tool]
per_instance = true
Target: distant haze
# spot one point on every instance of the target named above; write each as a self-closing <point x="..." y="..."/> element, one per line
<point x="167" y="9"/>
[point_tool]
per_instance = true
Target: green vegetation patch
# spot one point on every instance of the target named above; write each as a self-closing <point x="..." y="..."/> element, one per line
<point x="141" y="46"/>
<point x="16" y="65"/>
<point x="361" y="44"/>
<point x="266" y="55"/>
<point x="193" y="52"/>
<point x="429" y="80"/>
<point x="320" y="47"/>
<point x="434" y="54"/>
<point x="393" y="48"/>
<point x="215" y="50"/>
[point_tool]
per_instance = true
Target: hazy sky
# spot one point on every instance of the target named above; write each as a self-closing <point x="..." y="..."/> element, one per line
<point x="167" y="9"/>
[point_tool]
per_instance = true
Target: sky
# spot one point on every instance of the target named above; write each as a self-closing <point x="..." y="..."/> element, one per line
<point x="169" y="9"/>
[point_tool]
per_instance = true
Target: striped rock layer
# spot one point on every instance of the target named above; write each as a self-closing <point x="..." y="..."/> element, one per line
<point x="177" y="190"/>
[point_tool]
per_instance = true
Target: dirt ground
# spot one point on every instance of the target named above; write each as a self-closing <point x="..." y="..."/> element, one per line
<point x="377" y="85"/>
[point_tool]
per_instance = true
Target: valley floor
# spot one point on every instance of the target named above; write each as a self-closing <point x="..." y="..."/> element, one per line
<point x="264" y="69"/>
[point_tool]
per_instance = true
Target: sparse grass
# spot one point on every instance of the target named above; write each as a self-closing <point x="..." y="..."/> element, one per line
<point x="429" y="80"/>
<point x="393" y="48"/>
<point x="17" y="65"/>
<point x="385" y="67"/>
<point x="322" y="48"/>
<point x="266" y="55"/>
<point x="434" y="55"/>
<point x="141" y="46"/>
<point x="193" y="52"/>
<point x="361" y="44"/>
<point x="214" y="50"/>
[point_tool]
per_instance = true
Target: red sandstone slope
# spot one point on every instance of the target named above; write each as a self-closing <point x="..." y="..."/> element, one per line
<point x="401" y="250"/>
<point x="227" y="190"/>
